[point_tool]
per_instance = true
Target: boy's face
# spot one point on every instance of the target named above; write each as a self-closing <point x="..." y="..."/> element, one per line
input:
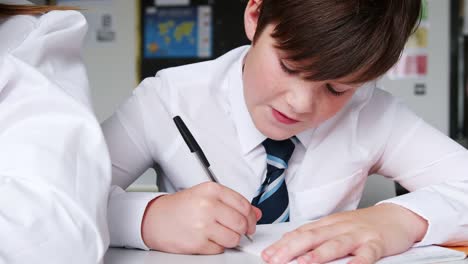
<point x="280" y="101"/>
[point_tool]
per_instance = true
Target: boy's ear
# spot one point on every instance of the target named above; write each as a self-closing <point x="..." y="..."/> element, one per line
<point x="252" y="12"/>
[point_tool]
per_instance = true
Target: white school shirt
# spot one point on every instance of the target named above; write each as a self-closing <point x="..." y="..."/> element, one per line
<point x="55" y="169"/>
<point x="373" y="133"/>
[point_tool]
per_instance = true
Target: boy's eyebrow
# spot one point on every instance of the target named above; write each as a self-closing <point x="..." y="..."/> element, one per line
<point x="288" y="66"/>
<point x="294" y="66"/>
<point x="351" y="80"/>
<point x="349" y="87"/>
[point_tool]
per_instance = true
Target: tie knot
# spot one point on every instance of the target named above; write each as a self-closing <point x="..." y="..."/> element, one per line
<point x="282" y="149"/>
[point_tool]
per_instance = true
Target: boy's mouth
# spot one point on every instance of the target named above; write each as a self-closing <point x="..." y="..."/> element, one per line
<point x="282" y="118"/>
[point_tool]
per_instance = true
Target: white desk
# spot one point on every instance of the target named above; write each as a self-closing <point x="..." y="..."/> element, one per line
<point x="131" y="256"/>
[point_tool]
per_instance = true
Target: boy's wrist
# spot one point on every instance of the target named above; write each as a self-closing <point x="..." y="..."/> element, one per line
<point x="415" y="225"/>
<point x="148" y="217"/>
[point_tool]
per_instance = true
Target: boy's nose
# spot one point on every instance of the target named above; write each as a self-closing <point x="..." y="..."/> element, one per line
<point x="301" y="99"/>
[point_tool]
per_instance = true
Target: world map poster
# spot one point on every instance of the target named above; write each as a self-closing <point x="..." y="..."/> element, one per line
<point x="178" y="32"/>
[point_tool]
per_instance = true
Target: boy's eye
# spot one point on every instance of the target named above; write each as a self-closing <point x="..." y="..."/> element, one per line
<point x="286" y="69"/>
<point x="333" y="91"/>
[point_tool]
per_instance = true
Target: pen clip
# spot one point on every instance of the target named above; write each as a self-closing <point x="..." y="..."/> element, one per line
<point x="190" y="140"/>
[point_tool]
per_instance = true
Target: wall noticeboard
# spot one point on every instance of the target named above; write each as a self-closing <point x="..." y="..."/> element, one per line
<point x="179" y="32"/>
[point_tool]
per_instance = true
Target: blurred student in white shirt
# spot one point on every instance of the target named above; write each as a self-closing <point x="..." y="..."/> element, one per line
<point x="54" y="165"/>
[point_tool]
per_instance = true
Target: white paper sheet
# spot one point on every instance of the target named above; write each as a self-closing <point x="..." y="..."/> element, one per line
<point x="268" y="234"/>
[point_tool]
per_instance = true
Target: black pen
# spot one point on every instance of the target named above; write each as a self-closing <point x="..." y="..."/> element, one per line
<point x="196" y="149"/>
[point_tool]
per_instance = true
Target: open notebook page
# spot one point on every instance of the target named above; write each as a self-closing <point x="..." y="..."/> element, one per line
<point x="268" y="234"/>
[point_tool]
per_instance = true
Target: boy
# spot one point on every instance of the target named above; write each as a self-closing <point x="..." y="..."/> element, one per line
<point x="300" y="99"/>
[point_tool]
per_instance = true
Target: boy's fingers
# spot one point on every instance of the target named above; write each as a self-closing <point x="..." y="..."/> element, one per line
<point x="223" y="236"/>
<point x="258" y="213"/>
<point x="299" y="241"/>
<point x="235" y="200"/>
<point x="239" y="203"/>
<point x="335" y="248"/>
<point x="368" y="253"/>
<point x="277" y="247"/>
<point x="211" y="248"/>
<point x="231" y="218"/>
<point x="269" y="252"/>
<point x="252" y="221"/>
<point x="295" y="247"/>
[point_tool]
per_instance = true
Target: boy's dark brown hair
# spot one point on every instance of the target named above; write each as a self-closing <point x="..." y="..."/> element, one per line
<point x="331" y="39"/>
<point x="11" y="10"/>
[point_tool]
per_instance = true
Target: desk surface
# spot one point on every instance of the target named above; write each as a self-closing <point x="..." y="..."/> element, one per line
<point x="131" y="256"/>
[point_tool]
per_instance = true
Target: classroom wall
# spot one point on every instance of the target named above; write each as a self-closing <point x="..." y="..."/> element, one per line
<point x="110" y="50"/>
<point x="112" y="64"/>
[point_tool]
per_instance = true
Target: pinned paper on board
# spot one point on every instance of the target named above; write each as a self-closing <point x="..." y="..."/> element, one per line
<point x="100" y="17"/>
<point x="414" y="59"/>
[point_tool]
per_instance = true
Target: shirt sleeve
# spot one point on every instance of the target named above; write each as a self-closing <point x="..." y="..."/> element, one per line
<point x="54" y="182"/>
<point x="131" y="156"/>
<point x="434" y="169"/>
<point x="54" y="49"/>
<point x="54" y="165"/>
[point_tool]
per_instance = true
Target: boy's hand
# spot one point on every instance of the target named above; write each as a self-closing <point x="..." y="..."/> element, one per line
<point x="204" y="219"/>
<point x="368" y="234"/>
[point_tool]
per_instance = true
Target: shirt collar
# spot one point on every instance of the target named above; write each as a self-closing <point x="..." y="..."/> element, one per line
<point x="305" y="137"/>
<point x="249" y="136"/>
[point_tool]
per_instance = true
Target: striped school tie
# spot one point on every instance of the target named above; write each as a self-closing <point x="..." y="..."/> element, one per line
<point x="272" y="196"/>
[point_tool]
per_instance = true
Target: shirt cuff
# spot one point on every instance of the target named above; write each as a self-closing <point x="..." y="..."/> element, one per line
<point x="125" y="215"/>
<point x="441" y="218"/>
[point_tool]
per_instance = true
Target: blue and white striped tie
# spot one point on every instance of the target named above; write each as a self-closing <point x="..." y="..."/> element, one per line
<point x="272" y="196"/>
